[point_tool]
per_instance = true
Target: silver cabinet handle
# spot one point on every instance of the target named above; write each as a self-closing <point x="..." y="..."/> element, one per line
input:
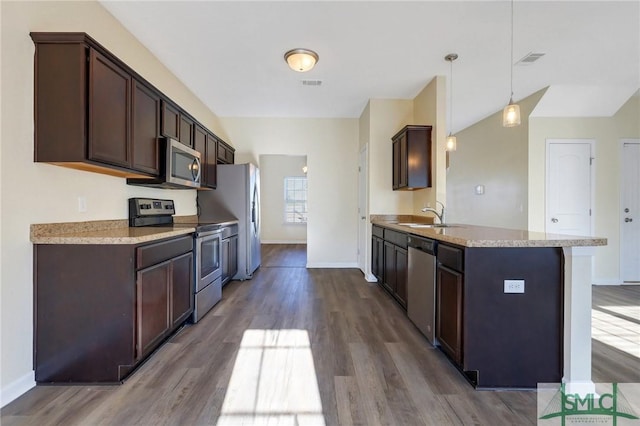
<point x="554" y="220"/>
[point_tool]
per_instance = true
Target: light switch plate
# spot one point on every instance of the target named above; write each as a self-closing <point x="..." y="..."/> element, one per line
<point x="514" y="286"/>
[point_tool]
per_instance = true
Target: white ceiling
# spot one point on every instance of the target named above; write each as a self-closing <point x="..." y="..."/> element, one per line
<point x="230" y="54"/>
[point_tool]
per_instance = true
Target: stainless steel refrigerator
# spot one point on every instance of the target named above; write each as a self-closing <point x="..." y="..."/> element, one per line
<point x="237" y="195"/>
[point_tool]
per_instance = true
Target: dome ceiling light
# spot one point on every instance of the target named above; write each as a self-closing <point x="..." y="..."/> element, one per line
<point x="301" y="60"/>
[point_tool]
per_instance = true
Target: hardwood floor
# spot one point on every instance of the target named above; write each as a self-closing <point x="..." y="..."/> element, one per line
<point x="284" y="255"/>
<point x="296" y="346"/>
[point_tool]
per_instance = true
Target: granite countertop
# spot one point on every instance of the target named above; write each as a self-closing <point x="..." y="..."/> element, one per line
<point x="102" y="232"/>
<point x="484" y="236"/>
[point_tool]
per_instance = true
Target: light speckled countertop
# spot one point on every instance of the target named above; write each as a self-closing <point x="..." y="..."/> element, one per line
<point x="484" y="236"/>
<point x="101" y="232"/>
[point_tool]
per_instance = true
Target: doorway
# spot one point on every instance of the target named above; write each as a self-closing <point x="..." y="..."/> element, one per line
<point x="283" y="188"/>
<point x="630" y="207"/>
<point x="364" y="255"/>
<point x="569" y="187"/>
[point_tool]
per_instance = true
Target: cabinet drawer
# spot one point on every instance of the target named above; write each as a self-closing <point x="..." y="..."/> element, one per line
<point x="451" y="257"/>
<point x="377" y="231"/>
<point x="397" y="238"/>
<point x="158" y="252"/>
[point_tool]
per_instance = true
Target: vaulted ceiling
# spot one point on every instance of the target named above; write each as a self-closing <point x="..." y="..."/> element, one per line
<point x="230" y="53"/>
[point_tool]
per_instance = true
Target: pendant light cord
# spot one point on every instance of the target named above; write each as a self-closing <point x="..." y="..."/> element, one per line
<point x="511" y="64"/>
<point x="451" y="100"/>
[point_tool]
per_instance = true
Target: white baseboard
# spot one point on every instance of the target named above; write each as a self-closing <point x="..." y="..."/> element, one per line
<point x="610" y="281"/>
<point x="16" y="388"/>
<point x="370" y="278"/>
<point x="339" y="265"/>
<point x="282" y="242"/>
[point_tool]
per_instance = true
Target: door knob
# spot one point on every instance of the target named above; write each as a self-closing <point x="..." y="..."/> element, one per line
<point x="362" y="217"/>
<point x="554" y="220"/>
<point x="626" y="210"/>
<point x="628" y="219"/>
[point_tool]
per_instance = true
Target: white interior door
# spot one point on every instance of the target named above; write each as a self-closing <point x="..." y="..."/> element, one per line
<point x="630" y="214"/>
<point x="362" y="211"/>
<point x="569" y="186"/>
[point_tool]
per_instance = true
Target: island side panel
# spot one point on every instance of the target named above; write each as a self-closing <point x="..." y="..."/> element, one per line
<point x="513" y="340"/>
<point x="84" y="312"/>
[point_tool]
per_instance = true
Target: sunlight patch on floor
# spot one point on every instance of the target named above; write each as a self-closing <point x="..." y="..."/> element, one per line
<point x="273" y="381"/>
<point x="614" y="331"/>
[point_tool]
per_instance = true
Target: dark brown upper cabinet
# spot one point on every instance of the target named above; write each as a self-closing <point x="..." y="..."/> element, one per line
<point x="186" y="130"/>
<point x="109" y="111"/>
<point x="170" y="121"/>
<point x="146" y="129"/>
<point x="205" y="143"/>
<point x="91" y="112"/>
<point x="95" y="113"/>
<point x="177" y="125"/>
<point x="226" y="154"/>
<point x="411" y="158"/>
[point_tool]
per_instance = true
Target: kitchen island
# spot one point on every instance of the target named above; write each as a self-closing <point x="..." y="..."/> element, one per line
<point x="502" y="336"/>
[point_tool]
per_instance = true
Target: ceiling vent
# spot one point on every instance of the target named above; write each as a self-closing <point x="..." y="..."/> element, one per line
<point x="530" y="58"/>
<point x="312" y="82"/>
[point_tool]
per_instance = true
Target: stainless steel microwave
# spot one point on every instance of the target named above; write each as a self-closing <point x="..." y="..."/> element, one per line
<point x="181" y="168"/>
<point x="183" y="165"/>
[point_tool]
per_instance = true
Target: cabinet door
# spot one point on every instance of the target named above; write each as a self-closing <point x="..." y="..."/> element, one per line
<point x="186" y="130"/>
<point x="401" y="275"/>
<point x="389" y="267"/>
<point x="109" y="113"/>
<point x="170" y="121"/>
<point x="403" y="162"/>
<point x="377" y="258"/>
<point x="152" y="306"/>
<point x="146" y="126"/>
<point x="396" y="164"/>
<point x="181" y="288"/>
<point x="224" y="257"/>
<point x="211" y="162"/>
<point x="233" y="256"/>
<point x="449" y="312"/>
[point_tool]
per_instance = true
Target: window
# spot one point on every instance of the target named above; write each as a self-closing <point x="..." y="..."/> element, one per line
<point x="295" y="200"/>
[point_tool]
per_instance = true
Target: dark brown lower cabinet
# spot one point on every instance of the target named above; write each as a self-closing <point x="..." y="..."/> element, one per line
<point x="395" y="271"/>
<point x="377" y="258"/>
<point x="229" y="257"/>
<point x="101" y="309"/>
<point x="449" y="312"/>
<point x="152" y="305"/>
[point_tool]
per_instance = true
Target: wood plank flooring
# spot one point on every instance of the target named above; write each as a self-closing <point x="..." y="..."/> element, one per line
<point x="296" y="346"/>
<point x="284" y="255"/>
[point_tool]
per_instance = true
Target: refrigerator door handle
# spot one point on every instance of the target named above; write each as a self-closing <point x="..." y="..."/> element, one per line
<point x="255" y="211"/>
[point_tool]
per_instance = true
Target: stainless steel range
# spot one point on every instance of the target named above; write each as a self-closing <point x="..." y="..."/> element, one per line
<point x="206" y="249"/>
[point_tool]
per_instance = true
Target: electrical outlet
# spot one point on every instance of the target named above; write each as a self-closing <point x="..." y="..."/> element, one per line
<point x="82" y="204"/>
<point x="514" y="286"/>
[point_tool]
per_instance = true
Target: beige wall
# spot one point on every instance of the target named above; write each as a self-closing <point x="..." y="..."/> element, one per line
<point x="429" y="107"/>
<point x="387" y="117"/>
<point x="41" y="193"/>
<point x="273" y="170"/>
<point x="607" y="132"/>
<point x="379" y="121"/>
<point x="496" y="157"/>
<point x="331" y="147"/>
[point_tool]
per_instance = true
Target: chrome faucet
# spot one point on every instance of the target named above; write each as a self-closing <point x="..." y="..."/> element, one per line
<point x="440" y="215"/>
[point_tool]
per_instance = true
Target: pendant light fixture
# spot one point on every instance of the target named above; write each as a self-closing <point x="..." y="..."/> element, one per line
<point x="452" y="142"/>
<point x="511" y="113"/>
<point x="301" y="60"/>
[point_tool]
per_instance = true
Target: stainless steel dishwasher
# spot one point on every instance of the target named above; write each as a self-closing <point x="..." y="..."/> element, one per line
<point x="421" y="285"/>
